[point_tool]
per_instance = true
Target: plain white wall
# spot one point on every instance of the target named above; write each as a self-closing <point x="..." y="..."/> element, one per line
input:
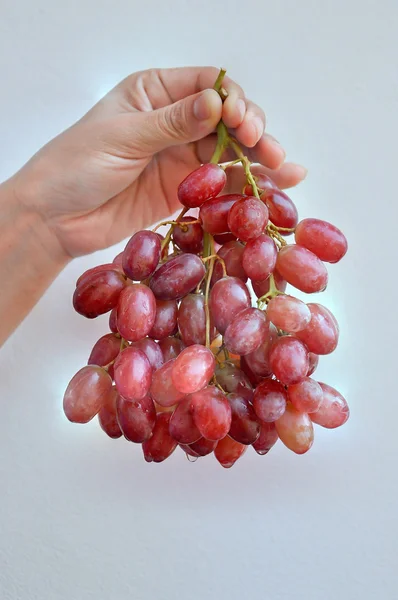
<point x="83" y="517"/>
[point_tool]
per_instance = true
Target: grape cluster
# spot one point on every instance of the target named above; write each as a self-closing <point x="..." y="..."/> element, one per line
<point x="189" y="361"/>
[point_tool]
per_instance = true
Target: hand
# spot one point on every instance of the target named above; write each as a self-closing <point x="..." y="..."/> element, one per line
<point x="117" y="169"/>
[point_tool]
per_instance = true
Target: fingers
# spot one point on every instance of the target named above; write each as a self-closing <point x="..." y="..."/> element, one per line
<point x="288" y="176"/>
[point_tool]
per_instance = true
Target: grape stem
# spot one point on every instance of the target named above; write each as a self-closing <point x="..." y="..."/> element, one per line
<point x="216" y="257"/>
<point x="273" y="291"/>
<point x="183" y="225"/>
<point x="167" y="238"/>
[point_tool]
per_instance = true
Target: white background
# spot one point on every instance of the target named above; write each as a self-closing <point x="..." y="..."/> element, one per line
<point x="84" y="517"/>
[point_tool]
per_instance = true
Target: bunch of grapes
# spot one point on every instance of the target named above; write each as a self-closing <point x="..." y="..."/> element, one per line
<point x="189" y="361"/>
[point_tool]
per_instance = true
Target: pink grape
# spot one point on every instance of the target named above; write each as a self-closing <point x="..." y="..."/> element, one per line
<point x="260" y="288"/>
<point x="228" y="297"/>
<point x="253" y="377"/>
<point x="133" y="374"/>
<point x="136" y="312"/>
<point x="259" y="257"/>
<point x="288" y="313"/>
<point x="141" y="255"/>
<point x="177" y="277"/>
<point x="98" y="293"/>
<point x="202" y="447"/>
<point x="231" y="253"/>
<point x="113" y="320"/>
<point x="165" y="320"/>
<point x="202" y="184"/>
<point x="214" y="213"/>
<point x="105" y="350"/>
<point x="99" y="269"/>
<point x="107" y="417"/>
<point x="245" y="428"/>
<point x="313" y="363"/>
<point x="136" y="418"/>
<point x="247" y="218"/>
<point x="267" y="438"/>
<point x="228" y="451"/>
<point x="259" y="359"/>
<point x="295" y="430"/>
<point x="321" y="335"/>
<point x="192" y="320"/>
<point x="246" y="332"/>
<point x="171" y="347"/>
<point x="333" y="411"/>
<point x="233" y="379"/>
<point x="269" y="400"/>
<point x="86" y="394"/>
<point x="193" y="368"/>
<point x="163" y="390"/>
<point x="189" y="238"/>
<point x="322" y="238"/>
<point x="282" y="210"/>
<point x="160" y="445"/>
<point x="263" y="182"/>
<point x="306" y="396"/>
<point x="288" y="358"/>
<point x="118" y="260"/>
<point x="152" y="351"/>
<point x="182" y="426"/>
<point x="211" y="413"/>
<point x="302" y="269"/>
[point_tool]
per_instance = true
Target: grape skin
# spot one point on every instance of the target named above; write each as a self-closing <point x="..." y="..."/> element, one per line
<point x="133" y="374"/>
<point x="302" y="269"/>
<point x="86" y="394"/>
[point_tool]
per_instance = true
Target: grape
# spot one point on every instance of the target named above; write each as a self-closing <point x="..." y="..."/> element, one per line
<point x="99" y="269"/>
<point x="253" y="377"/>
<point x="136" y="312"/>
<point x="268" y="438"/>
<point x="107" y="416"/>
<point x="288" y="358"/>
<point x="98" y="293"/>
<point x="244" y="425"/>
<point x="165" y="320"/>
<point x="233" y="379"/>
<point x="160" y="408"/>
<point x="118" y="260"/>
<point x="322" y="238"/>
<point x="224" y="238"/>
<point x="192" y="320"/>
<point x="306" y="396"/>
<point x="231" y="253"/>
<point x="295" y="429"/>
<point x="282" y="210"/>
<point x="269" y="400"/>
<point x="313" y="360"/>
<point x="192" y="369"/>
<point x="259" y="257"/>
<point x="202" y="184"/>
<point x="136" y="418"/>
<point x="263" y="182"/>
<point x="141" y="255"/>
<point x="105" y="350"/>
<point x="258" y="361"/>
<point x="171" y="348"/>
<point x="152" y="351"/>
<point x="160" y="445"/>
<point x="288" y="313"/>
<point x="321" y="335"/>
<point x="228" y="297"/>
<point x="162" y="388"/>
<point x="302" y="269"/>
<point x="113" y="320"/>
<point x="214" y="213"/>
<point x="247" y="218"/>
<point x="182" y="427"/>
<point x="246" y="332"/>
<point x="333" y="411"/>
<point x="133" y="374"/>
<point x="211" y="413"/>
<point x="189" y="238"/>
<point x="228" y="451"/>
<point x="261" y="288"/>
<point x="86" y="394"/>
<point x="177" y="277"/>
<point x="202" y="447"/>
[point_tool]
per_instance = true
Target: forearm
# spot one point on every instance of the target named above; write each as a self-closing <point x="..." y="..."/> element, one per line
<point x="30" y="259"/>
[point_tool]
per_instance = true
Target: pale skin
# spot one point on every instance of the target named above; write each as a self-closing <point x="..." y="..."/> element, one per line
<point x="116" y="171"/>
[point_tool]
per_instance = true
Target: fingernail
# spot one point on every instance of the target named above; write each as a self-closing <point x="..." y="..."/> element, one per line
<point x="241" y="108"/>
<point x="202" y="107"/>
<point x="275" y="143"/>
<point x="302" y="171"/>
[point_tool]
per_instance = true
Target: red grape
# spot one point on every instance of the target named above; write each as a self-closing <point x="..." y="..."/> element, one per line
<point x="211" y="413"/>
<point x="160" y="445"/>
<point x="162" y="388"/>
<point x="302" y="269"/>
<point x="105" y="350"/>
<point x="189" y="238"/>
<point x="313" y="363"/>
<point x="177" y="277"/>
<point x="258" y="360"/>
<point x="333" y="411"/>
<point x="322" y="238"/>
<point x="202" y="184"/>
<point x="136" y="312"/>
<point x="263" y="182"/>
<point x="192" y="320"/>
<point x="171" y="347"/>
<point x="295" y="429"/>
<point x="98" y="293"/>
<point x="231" y="253"/>
<point x="165" y="320"/>
<point x="259" y="257"/>
<point x="107" y="416"/>
<point x="260" y="288"/>
<point x="282" y="210"/>
<point x="288" y="358"/>
<point x="253" y="377"/>
<point x="136" y="418"/>
<point x="245" y="427"/>
<point x="268" y="438"/>
<point x="202" y="447"/>
<point x="228" y="297"/>
<point x="269" y="400"/>
<point x="152" y="351"/>
<point x="233" y="379"/>
<point x="182" y="427"/>
<point x="141" y="255"/>
<point x="133" y="374"/>
<point x="224" y="238"/>
<point x="86" y="394"/>
<point x="247" y="218"/>
<point x="99" y="269"/>
<point x="288" y="313"/>
<point x="321" y="335"/>
<point x="193" y="368"/>
<point x="306" y="396"/>
<point x="113" y="320"/>
<point x="228" y="451"/>
<point x="246" y="332"/>
<point x="214" y="213"/>
<point x="118" y="260"/>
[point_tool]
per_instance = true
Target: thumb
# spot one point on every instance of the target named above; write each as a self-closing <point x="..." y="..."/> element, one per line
<point x="185" y="121"/>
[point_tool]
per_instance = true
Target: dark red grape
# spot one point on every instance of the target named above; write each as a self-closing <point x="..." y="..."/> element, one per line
<point x="107" y="417"/>
<point x="99" y="269"/>
<point x="192" y="320"/>
<point x="211" y="413"/>
<point x="231" y="253"/>
<point x="113" y="320"/>
<point x="258" y="360"/>
<point x="321" y="335"/>
<point x="246" y="332"/>
<point x="162" y="388"/>
<point x="288" y="358"/>
<point x="267" y="439"/>
<point x="118" y="260"/>
<point x="182" y="427"/>
<point x="282" y="210"/>
<point x="228" y="297"/>
<point x="333" y="411"/>
<point x="214" y="213"/>
<point x="202" y="447"/>
<point x="269" y="400"/>
<point x="263" y="182"/>
<point x="224" y="238"/>
<point x="98" y="293"/>
<point x="306" y="396"/>
<point x="228" y="451"/>
<point x="260" y="288"/>
<point x="253" y="377"/>
<point x="245" y="427"/>
<point x="202" y="184"/>
<point x="136" y="312"/>
<point x="136" y="418"/>
<point x="189" y="238"/>
<point x="152" y="351"/>
<point x="288" y="313"/>
<point x="247" y="218"/>
<point x="313" y="363"/>
<point x="141" y="255"/>
<point x="105" y="350"/>
<point x="165" y="320"/>
<point x="160" y="445"/>
<point x="233" y="379"/>
<point x="177" y="277"/>
<point x="171" y="347"/>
